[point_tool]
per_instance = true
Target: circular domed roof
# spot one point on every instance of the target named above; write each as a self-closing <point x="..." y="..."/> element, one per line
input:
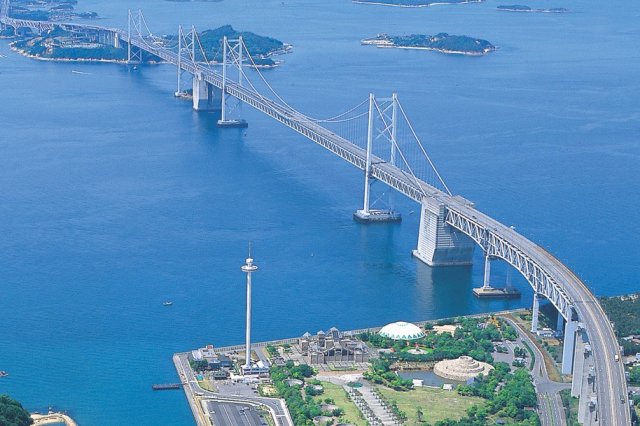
<point x="401" y="331"/>
<point x="461" y="369"/>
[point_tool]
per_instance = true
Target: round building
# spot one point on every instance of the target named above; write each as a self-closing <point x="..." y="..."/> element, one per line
<point x="461" y="369"/>
<point x="401" y="331"/>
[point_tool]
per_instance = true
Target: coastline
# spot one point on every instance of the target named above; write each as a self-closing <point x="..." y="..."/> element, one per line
<point x="197" y="396"/>
<point x="532" y="10"/>
<point x="411" y="6"/>
<point x="444" y="51"/>
<point x="117" y="61"/>
<point x="51" y="417"/>
<point x="41" y="58"/>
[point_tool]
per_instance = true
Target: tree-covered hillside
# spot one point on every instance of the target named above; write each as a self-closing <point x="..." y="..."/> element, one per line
<point x="12" y="413"/>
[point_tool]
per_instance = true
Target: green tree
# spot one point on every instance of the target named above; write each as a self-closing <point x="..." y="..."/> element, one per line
<point x="12" y="413"/>
<point x="634" y="375"/>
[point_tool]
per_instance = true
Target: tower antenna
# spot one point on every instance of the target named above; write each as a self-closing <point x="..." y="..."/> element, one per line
<point x="248" y="268"/>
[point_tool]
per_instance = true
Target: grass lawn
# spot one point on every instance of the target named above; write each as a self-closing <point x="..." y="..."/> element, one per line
<point x="207" y="385"/>
<point x="267" y="390"/>
<point x="436" y="404"/>
<point x="351" y="412"/>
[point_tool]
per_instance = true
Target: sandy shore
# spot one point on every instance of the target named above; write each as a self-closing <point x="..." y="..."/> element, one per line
<point x="43" y="419"/>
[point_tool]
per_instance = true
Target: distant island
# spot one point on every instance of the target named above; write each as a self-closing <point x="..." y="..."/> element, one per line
<point x="51" y="10"/>
<point x="60" y="44"/>
<point x="415" y="3"/>
<point x="522" y="8"/>
<point x="261" y="48"/>
<point x="442" y="42"/>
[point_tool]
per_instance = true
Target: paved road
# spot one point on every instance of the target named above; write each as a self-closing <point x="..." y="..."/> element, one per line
<point x="193" y="391"/>
<point x="611" y="383"/>
<point x="567" y="290"/>
<point x="550" y="409"/>
<point x="230" y="414"/>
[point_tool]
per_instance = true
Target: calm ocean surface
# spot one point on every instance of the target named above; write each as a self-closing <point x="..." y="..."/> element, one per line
<point x="114" y="196"/>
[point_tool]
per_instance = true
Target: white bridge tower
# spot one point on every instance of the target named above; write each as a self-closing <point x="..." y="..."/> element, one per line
<point x="385" y="113"/>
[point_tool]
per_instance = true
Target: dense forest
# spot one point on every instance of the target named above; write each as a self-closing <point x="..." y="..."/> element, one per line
<point x="259" y="47"/>
<point x="445" y="42"/>
<point x="624" y="313"/>
<point x="12" y="413"/>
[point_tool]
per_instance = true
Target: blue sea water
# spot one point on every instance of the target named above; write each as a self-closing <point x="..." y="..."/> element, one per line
<point x="114" y="196"/>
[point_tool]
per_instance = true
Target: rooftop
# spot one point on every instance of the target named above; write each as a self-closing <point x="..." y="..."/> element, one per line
<point x="401" y="331"/>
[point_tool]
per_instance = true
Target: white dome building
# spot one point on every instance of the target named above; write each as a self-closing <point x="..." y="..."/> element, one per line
<point x="401" y="331"/>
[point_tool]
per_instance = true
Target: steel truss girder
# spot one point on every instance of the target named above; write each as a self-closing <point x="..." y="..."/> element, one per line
<point x="497" y="246"/>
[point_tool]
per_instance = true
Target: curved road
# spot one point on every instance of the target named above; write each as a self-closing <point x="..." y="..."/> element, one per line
<point x="610" y="375"/>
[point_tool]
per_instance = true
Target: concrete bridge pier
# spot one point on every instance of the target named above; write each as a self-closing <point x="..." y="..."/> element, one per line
<point x="205" y="95"/>
<point x="568" y="349"/>
<point x="535" y="311"/>
<point x="560" y="324"/>
<point x="438" y="243"/>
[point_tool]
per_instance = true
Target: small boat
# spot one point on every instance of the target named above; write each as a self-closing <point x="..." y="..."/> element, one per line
<point x="167" y="303"/>
<point x="3" y="373"/>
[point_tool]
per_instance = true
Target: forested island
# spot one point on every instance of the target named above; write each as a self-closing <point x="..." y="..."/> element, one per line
<point x="261" y="48"/>
<point x="60" y="44"/>
<point x="442" y="42"/>
<point x="415" y="3"/>
<point x="52" y="10"/>
<point x="522" y="8"/>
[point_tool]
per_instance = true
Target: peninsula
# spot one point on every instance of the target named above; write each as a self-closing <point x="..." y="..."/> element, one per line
<point x="442" y="42"/>
<point x="415" y="3"/>
<point x="522" y="8"/>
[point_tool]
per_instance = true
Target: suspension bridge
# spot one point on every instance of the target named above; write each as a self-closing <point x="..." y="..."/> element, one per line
<point x="377" y="137"/>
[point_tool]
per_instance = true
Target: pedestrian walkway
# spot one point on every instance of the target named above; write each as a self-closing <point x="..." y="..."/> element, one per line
<point x="372" y="406"/>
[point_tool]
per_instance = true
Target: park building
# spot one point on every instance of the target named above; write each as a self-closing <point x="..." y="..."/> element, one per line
<point x="215" y="361"/>
<point x="332" y="346"/>
<point x="401" y="331"/>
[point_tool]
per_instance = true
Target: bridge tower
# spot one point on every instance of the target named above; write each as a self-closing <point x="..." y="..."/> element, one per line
<point x="186" y="53"/>
<point x="389" y="131"/>
<point x="439" y="244"/>
<point x="134" y="54"/>
<point x="4" y="10"/>
<point x="231" y="49"/>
